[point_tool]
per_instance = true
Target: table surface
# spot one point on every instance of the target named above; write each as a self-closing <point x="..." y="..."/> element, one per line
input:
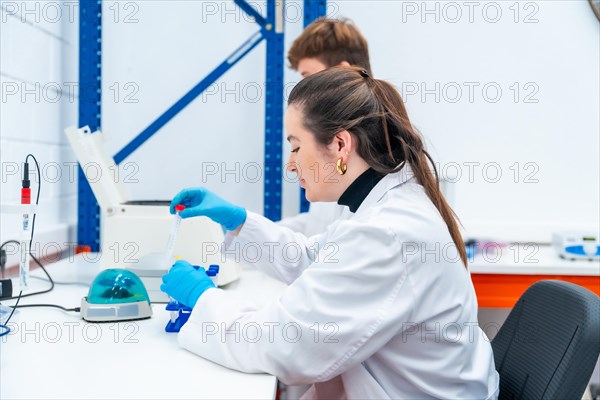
<point x="530" y="259"/>
<point x="53" y="354"/>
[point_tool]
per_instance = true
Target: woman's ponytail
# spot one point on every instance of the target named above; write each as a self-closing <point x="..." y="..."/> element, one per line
<point x="348" y="99"/>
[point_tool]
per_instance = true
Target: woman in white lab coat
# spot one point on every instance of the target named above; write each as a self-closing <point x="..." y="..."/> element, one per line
<point x="381" y="305"/>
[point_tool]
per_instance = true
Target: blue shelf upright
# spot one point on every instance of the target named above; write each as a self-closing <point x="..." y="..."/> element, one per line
<point x="274" y="111"/>
<point x="90" y="84"/>
<point x="313" y="9"/>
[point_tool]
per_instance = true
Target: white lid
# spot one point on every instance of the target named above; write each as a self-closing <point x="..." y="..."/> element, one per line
<point x="97" y="165"/>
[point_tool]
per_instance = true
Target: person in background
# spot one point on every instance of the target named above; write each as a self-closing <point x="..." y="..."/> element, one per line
<point x="382" y="317"/>
<point x="323" y="44"/>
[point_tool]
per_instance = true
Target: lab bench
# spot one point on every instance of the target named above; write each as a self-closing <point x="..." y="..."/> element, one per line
<point x="502" y="274"/>
<point x="52" y="354"/>
<point x="55" y="354"/>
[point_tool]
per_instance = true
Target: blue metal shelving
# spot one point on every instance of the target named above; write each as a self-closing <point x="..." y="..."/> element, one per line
<point x="274" y="111"/>
<point x="90" y="79"/>
<point x="314" y="9"/>
<point x="271" y="30"/>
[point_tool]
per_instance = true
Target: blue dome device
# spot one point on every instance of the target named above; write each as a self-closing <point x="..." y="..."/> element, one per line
<point x="116" y="295"/>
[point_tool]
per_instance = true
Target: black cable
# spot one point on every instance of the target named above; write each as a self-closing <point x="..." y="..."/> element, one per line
<point x="6" y="330"/>
<point x="74" y="283"/>
<point x="2" y="246"/>
<point x="41" y="291"/>
<point x="75" y="309"/>
<point x="37" y="200"/>
<point x="9" y="242"/>
<point x="5" y="326"/>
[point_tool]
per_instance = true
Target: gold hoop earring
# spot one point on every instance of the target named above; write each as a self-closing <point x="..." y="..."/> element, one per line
<point x="341" y="166"/>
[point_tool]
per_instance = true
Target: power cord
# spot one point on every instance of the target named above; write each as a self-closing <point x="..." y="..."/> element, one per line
<point x="75" y="309"/>
<point x="7" y="329"/>
<point x="43" y="269"/>
<point x="5" y="326"/>
<point x="25" y="189"/>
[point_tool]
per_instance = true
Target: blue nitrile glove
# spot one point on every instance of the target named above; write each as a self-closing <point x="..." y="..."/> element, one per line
<point x="185" y="283"/>
<point x="202" y="202"/>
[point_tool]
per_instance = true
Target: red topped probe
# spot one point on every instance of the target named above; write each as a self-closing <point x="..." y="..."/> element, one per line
<point x="25" y="189"/>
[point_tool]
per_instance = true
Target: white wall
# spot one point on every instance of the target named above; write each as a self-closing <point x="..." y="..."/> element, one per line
<point x="153" y="52"/>
<point x="553" y="135"/>
<point x="161" y="53"/>
<point x="38" y="69"/>
<point x="217" y="141"/>
<point x="551" y="130"/>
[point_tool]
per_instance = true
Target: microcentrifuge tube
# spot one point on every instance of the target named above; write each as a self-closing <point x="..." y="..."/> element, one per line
<point x="174" y="231"/>
<point x="171" y="249"/>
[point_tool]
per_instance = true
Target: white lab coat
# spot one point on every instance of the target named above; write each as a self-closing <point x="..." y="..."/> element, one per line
<point x="365" y="315"/>
<point x="316" y="220"/>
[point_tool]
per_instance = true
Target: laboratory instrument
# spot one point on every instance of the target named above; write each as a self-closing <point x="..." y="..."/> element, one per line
<point x="25" y="233"/>
<point x="577" y="245"/>
<point x="116" y="295"/>
<point x="132" y="232"/>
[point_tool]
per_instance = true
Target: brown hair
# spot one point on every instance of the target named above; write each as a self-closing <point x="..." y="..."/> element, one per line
<point x="331" y="41"/>
<point x="348" y="99"/>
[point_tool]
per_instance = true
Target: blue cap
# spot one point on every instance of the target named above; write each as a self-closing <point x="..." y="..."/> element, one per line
<point x="214" y="267"/>
<point x="211" y="272"/>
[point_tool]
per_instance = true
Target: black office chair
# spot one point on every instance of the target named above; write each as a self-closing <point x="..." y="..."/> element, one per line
<point x="549" y="344"/>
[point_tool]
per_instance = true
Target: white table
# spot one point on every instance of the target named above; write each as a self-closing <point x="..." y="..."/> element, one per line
<point x="501" y="275"/>
<point x="56" y="355"/>
<point x="53" y="354"/>
<point x="530" y="259"/>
